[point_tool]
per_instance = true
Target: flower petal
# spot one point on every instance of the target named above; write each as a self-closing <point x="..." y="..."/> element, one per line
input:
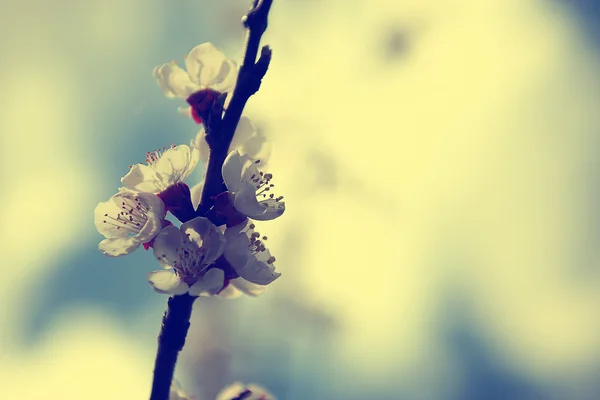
<point x="174" y="81"/>
<point x="143" y="179"/>
<point x="232" y="171"/>
<point x="245" y="201"/>
<point x="196" y="194"/>
<point x="155" y="215"/>
<point x="273" y="209"/>
<point x="204" y="234"/>
<point x="119" y="246"/>
<point x="258" y="272"/>
<point x="208" y="66"/>
<point x="194" y="158"/>
<point x="167" y="282"/>
<point x="201" y="145"/>
<point x="102" y="211"/>
<point x="230" y="292"/>
<point x="244" y="131"/>
<point x="166" y="244"/>
<point x="209" y="284"/>
<point x="236" y="251"/>
<point x="249" y="169"/>
<point x="248" y="288"/>
<point x="226" y="79"/>
<point x="174" y="163"/>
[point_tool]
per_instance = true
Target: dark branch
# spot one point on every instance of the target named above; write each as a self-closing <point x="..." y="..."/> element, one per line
<point x="219" y="133"/>
<point x="249" y="79"/>
<point x="175" y="325"/>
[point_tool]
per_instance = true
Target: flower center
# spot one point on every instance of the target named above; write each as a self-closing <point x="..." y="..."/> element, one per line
<point x="257" y="244"/>
<point x="263" y="184"/>
<point x="190" y="264"/>
<point x="133" y="217"/>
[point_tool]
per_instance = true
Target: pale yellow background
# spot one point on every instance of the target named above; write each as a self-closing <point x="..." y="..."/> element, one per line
<point x="435" y="156"/>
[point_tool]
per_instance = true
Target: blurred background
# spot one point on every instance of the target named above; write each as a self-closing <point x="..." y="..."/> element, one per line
<point x="439" y="161"/>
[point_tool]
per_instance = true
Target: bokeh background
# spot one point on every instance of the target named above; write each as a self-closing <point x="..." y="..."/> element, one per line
<point x="439" y="161"/>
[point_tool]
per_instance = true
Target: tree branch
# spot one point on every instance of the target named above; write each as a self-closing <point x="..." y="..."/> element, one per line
<point x="220" y="132"/>
<point x="175" y="325"/>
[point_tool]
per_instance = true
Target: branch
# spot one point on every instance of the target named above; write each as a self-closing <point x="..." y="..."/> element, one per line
<point x="175" y="325"/>
<point x="220" y="132"/>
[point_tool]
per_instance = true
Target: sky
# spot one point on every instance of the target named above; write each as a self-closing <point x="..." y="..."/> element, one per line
<point x="438" y="164"/>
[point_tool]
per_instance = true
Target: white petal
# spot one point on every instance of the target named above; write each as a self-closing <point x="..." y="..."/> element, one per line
<point x="143" y="179"/>
<point x="257" y="147"/>
<point x="201" y="145"/>
<point x="119" y="246"/>
<point x="232" y="171"/>
<point x="106" y="228"/>
<point x="155" y="215"/>
<point x="248" y="288"/>
<point x="273" y="209"/>
<point x="196" y="193"/>
<point x="257" y="272"/>
<point x="209" y="284"/>
<point x="167" y="282"/>
<point x="245" y="201"/>
<point x="226" y="79"/>
<point x="174" y="163"/>
<point x="208" y="66"/>
<point x="243" y="132"/>
<point x="236" y="250"/>
<point x="174" y="81"/>
<point x="153" y="202"/>
<point x="204" y="234"/>
<point x="230" y="292"/>
<point x="249" y="169"/>
<point x="165" y="244"/>
<point x="194" y="157"/>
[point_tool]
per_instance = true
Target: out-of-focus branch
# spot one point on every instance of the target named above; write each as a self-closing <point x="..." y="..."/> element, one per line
<point x="174" y="328"/>
<point x="219" y="132"/>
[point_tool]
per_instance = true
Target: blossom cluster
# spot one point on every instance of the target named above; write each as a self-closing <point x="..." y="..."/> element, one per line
<point x="205" y="255"/>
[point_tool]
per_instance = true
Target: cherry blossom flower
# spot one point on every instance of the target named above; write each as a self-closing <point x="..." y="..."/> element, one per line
<point x="188" y="253"/>
<point x="127" y="220"/>
<point x="164" y="168"/>
<point x="239" y="391"/>
<point x="246" y="252"/>
<point x="209" y="73"/>
<point x="250" y="188"/>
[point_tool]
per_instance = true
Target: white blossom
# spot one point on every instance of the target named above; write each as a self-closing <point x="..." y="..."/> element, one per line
<point x="240" y="391"/>
<point x="245" y="250"/>
<point x="251" y="188"/>
<point x="187" y="254"/>
<point x="207" y="68"/>
<point x="163" y="168"/>
<point x="127" y="220"/>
